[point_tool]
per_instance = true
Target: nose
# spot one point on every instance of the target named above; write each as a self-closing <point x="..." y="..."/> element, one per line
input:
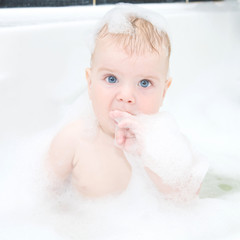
<point x="126" y="95"/>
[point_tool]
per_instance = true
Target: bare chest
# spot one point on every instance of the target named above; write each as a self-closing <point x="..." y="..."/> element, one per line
<point x="100" y="170"/>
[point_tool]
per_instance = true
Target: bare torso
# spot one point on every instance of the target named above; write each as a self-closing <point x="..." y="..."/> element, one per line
<point x="100" y="168"/>
<point x="97" y="167"/>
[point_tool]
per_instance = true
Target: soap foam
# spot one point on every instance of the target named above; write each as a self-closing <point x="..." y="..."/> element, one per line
<point x="118" y="21"/>
<point x="136" y="214"/>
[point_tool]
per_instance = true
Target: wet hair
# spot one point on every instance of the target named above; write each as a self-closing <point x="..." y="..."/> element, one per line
<point x="141" y="36"/>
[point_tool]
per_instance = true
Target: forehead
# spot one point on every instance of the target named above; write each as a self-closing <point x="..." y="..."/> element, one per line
<point x="109" y="54"/>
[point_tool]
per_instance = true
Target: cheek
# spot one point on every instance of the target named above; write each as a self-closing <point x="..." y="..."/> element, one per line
<point x="151" y="104"/>
<point x="101" y="102"/>
<point x="97" y="94"/>
<point x="101" y="99"/>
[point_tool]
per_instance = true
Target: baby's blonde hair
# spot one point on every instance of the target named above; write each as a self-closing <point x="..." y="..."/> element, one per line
<point x="144" y="36"/>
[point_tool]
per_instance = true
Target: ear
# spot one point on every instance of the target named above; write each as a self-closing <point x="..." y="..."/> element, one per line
<point x="167" y="85"/>
<point x="89" y="80"/>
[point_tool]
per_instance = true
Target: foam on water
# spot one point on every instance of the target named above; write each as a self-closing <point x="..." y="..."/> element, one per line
<point x="138" y="213"/>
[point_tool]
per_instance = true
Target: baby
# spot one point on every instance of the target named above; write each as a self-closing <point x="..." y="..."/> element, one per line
<point x="127" y="82"/>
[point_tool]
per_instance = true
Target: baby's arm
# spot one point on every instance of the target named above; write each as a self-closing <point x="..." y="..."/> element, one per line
<point x="170" y="155"/>
<point x="61" y="154"/>
<point x="169" y="159"/>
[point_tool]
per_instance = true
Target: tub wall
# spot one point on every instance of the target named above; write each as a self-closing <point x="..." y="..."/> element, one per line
<point x="44" y="53"/>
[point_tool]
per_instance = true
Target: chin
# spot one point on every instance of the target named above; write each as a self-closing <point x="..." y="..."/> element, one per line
<point x="109" y="129"/>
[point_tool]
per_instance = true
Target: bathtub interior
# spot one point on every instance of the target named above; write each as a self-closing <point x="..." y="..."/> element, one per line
<point x="44" y="53"/>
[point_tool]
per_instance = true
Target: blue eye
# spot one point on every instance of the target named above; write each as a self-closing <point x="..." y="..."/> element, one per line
<point x="144" y="83"/>
<point x="111" y="79"/>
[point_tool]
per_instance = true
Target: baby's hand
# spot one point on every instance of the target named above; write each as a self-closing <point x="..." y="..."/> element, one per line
<point x="127" y="133"/>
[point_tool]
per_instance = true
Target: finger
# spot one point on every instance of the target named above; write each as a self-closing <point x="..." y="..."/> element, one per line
<point x="117" y="114"/>
<point x="128" y="123"/>
<point x="130" y="135"/>
<point x="119" y="136"/>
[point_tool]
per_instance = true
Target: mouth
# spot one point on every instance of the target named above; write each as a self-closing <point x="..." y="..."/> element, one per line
<point x="116" y="120"/>
<point x="131" y="113"/>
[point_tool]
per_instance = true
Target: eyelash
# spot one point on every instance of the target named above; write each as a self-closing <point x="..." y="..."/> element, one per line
<point x="106" y="77"/>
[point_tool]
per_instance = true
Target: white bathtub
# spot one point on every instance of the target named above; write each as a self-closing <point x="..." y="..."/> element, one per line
<point x="43" y="54"/>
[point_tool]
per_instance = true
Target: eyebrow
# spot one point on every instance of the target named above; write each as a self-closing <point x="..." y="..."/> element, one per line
<point x="152" y="77"/>
<point x="106" y="69"/>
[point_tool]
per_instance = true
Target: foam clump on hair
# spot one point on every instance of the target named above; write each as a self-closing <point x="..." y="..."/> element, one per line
<point x="118" y="21"/>
<point x="134" y="28"/>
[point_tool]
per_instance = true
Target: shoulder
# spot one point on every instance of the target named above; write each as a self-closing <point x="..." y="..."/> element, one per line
<point x="70" y="131"/>
<point x="67" y="132"/>
<point x="68" y="138"/>
<point x="62" y="148"/>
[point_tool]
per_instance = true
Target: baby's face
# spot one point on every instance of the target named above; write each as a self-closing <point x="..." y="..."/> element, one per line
<point x="117" y="81"/>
